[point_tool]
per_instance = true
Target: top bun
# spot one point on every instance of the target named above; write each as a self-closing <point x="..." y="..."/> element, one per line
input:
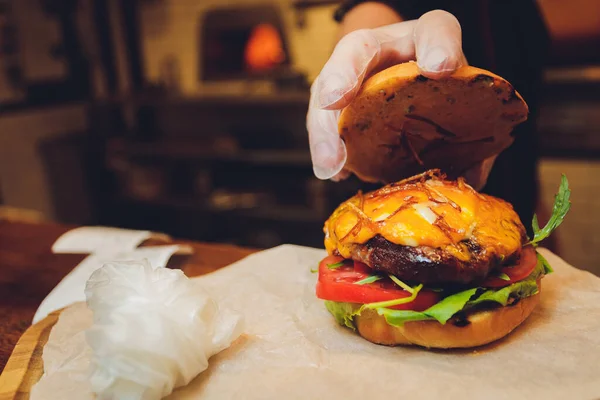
<point x="402" y="123"/>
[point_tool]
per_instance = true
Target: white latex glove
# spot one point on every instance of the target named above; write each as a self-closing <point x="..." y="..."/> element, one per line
<point x="434" y="41"/>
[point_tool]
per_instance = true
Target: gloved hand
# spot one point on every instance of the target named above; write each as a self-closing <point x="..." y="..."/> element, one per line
<point x="434" y="41"/>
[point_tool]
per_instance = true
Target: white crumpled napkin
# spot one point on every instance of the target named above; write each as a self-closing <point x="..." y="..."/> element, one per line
<point x="153" y="330"/>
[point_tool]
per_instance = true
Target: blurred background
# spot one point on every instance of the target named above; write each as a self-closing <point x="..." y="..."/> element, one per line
<point x="188" y="117"/>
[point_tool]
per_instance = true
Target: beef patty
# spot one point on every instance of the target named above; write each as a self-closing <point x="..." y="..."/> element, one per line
<point x="429" y="265"/>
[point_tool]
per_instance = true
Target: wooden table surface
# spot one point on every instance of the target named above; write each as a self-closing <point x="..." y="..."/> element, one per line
<point x="29" y="271"/>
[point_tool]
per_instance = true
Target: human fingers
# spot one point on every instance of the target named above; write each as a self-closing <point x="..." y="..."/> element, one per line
<point x="355" y="56"/>
<point x="327" y="149"/>
<point x="363" y="52"/>
<point x="438" y="44"/>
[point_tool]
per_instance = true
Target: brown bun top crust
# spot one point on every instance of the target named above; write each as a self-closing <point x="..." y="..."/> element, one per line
<point x="427" y="211"/>
<point x="402" y="123"/>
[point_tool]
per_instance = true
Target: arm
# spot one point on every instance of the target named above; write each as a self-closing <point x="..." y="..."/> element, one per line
<point x="368" y="15"/>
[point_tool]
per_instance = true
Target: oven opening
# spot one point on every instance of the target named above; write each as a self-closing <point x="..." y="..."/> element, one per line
<point x="243" y="43"/>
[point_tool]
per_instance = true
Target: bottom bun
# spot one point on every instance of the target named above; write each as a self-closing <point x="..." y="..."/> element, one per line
<point x="485" y="327"/>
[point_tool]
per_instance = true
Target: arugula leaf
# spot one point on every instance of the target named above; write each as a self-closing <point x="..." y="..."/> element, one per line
<point x="400" y="283"/>
<point x="390" y="303"/>
<point x="561" y="207"/>
<point x="503" y="276"/>
<point x="314" y="271"/>
<point x="336" y="265"/>
<point x="369" y="279"/>
<point x="535" y="224"/>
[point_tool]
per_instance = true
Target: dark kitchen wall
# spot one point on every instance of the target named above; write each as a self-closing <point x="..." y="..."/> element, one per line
<point x="192" y="156"/>
<point x="171" y="38"/>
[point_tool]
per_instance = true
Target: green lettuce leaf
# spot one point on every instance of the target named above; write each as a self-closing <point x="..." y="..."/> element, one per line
<point x="518" y="290"/>
<point x="540" y="269"/>
<point x="545" y="264"/>
<point x="442" y="311"/>
<point x="342" y="312"/>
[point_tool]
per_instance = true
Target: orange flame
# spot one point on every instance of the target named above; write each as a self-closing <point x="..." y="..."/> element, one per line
<point x="264" y="49"/>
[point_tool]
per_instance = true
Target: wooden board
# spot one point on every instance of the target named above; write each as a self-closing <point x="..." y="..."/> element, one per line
<point x="25" y="367"/>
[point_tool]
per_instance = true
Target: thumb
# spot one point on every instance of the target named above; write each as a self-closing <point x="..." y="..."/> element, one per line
<point x="438" y="44"/>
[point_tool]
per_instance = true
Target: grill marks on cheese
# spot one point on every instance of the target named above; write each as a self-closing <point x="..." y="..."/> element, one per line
<point x="426" y="211"/>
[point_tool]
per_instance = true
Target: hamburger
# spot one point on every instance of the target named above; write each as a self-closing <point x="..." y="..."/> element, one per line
<point x="428" y="260"/>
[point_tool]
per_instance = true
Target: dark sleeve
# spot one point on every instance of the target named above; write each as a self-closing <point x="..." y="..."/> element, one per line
<point x="408" y="9"/>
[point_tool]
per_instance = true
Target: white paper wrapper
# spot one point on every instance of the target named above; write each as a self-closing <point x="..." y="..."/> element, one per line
<point x="293" y="349"/>
<point x="92" y="239"/>
<point x="71" y="288"/>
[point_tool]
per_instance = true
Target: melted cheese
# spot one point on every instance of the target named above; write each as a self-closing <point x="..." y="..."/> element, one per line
<point x="434" y="213"/>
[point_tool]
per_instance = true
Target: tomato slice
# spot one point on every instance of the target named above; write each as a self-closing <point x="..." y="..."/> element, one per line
<point x="517" y="272"/>
<point x="339" y="284"/>
<point x="362" y="268"/>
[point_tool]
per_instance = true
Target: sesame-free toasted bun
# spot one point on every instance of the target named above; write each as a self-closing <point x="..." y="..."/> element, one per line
<point x="402" y="123"/>
<point x="484" y="327"/>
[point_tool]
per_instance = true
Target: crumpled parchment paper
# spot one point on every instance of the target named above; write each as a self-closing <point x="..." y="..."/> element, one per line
<point x="293" y="349"/>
